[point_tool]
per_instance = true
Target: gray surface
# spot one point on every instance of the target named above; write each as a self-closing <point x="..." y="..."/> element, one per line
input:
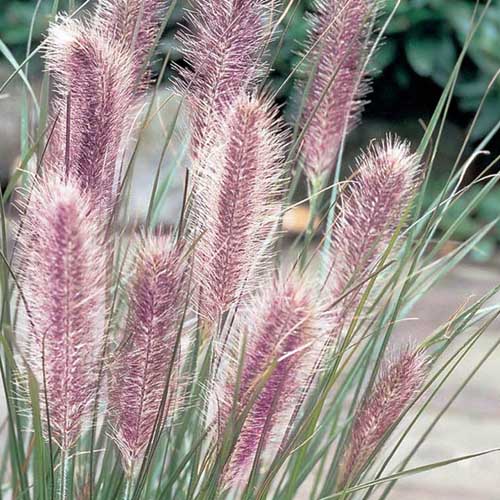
<point x="473" y="422"/>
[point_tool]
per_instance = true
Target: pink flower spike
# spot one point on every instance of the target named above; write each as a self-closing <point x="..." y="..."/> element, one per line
<point x="281" y="325"/>
<point x="223" y="48"/>
<point x="373" y="206"/>
<point x="147" y="356"/>
<point x="337" y="47"/>
<point x="61" y="272"/>
<point x="92" y="105"/>
<point x="237" y="204"/>
<point x="133" y="23"/>
<point x="398" y="384"/>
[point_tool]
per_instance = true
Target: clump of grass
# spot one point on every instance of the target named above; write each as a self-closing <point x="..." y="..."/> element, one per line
<point x="214" y="362"/>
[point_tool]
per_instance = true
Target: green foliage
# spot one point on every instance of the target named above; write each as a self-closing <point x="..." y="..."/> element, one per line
<point x="483" y="214"/>
<point x="431" y="33"/>
<point x="15" y="22"/>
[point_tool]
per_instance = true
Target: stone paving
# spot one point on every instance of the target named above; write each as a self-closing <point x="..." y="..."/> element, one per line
<point x="473" y="422"/>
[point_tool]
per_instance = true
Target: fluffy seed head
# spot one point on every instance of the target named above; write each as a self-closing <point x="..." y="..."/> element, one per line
<point x="61" y="274"/>
<point x="133" y="23"/>
<point x="147" y="357"/>
<point x="91" y="108"/>
<point x="373" y="205"/>
<point x="223" y="48"/>
<point x="399" y="382"/>
<point x="281" y="325"/>
<point x="237" y="203"/>
<point x="337" y="47"/>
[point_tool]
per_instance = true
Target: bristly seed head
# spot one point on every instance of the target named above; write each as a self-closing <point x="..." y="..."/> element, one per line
<point x="224" y="48"/>
<point x="61" y="263"/>
<point x="281" y="325"/>
<point x="337" y="47"/>
<point x="372" y="206"/>
<point x="398" y="384"/>
<point x="135" y="24"/>
<point x="91" y="108"/>
<point x="144" y="373"/>
<point x="237" y="204"/>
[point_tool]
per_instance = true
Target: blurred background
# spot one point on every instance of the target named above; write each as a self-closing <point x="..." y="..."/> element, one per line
<point x="410" y="70"/>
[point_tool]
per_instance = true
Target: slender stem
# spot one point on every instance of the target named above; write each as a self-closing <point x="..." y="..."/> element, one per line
<point x="129" y="487"/>
<point x="315" y="188"/>
<point x="63" y="475"/>
<point x="331" y="208"/>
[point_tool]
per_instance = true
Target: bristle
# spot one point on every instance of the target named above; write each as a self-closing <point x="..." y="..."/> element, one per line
<point x="373" y="206"/>
<point x="91" y="109"/>
<point x="280" y="326"/>
<point x="61" y="276"/>
<point x="133" y="23"/>
<point x="337" y="50"/>
<point x="237" y="204"/>
<point x="140" y="371"/>
<point x="223" y="49"/>
<point x="399" y="382"/>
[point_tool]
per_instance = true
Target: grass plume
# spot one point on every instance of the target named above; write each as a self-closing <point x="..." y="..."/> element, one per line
<point x="91" y="110"/>
<point x="62" y="279"/>
<point x="238" y="203"/>
<point x="338" y="43"/>
<point x="223" y="47"/>
<point x="398" y="383"/>
<point x="146" y="356"/>
<point x="282" y="326"/>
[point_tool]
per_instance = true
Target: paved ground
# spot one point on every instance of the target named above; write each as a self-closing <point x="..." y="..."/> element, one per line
<point x="473" y="422"/>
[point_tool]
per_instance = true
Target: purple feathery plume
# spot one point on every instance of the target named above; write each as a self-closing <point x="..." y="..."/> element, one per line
<point x="281" y="325"/>
<point x="135" y="24"/>
<point x="147" y="360"/>
<point x="61" y="272"/>
<point x="237" y="203"/>
<point x="338" y="44"/>
<point x="375" y="202"/>
<point x="398" y="384"/>
<point x="223" y="49"/>
<point x="94" y="84"/>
